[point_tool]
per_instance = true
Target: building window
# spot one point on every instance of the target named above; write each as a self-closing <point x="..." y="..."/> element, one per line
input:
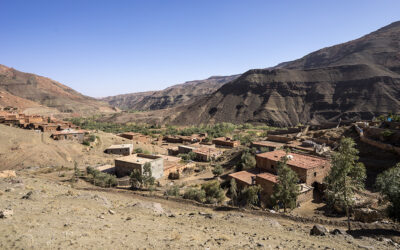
<point x="315" y="174"/>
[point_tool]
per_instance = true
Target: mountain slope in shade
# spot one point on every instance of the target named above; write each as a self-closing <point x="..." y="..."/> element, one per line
<point x="357" y="79"/>
<point x="25" y="90"/>
<point x="170" y="97"/>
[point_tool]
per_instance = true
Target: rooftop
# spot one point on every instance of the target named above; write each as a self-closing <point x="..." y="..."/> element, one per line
<point x="269" y="177"/>
<point x="69" y="131"/>
<point x="245" y="175"/>
<point x="268" y="144"/>
<point x="120" y="146"/>
<point x="142" y="159"/>
<point x="297" y="160"/>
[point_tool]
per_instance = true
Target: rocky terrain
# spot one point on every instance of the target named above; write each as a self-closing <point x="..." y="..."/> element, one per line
<point x="42" y="213"/>
<point x="173" y="96"/>
<point x="25" y="90"/>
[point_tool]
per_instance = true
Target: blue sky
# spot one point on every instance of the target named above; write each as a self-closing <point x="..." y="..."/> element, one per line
<point x="103" y="48"/>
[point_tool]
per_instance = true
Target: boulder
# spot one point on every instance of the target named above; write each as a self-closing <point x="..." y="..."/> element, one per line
<point x="367" y="215"/>
<point x="319" y="230"/>
<point x="6" y="213"/>
<point x="8" y="174"/>
<point x="338" y="231"/>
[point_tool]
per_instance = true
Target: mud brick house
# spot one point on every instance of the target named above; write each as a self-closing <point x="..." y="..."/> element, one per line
<point x="69" y="134"/>
<point x="270" y="145"/>
<point x="138" y="137"/>
<point x="174" y="164"/>
<point x="122" y="149"/>
<point x="49" y="127"/>
<point x="126" y="165"/>
<point x="310" y="169"/>
<point x="207" y="153"/>
<point x="226" y="142"/>
<point x="267" y="182"/>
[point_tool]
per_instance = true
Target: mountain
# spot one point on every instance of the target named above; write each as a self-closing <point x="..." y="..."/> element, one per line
<point x="29" y="91"/>
<point x="359" y="79"/>
<point x="173" y="96"/>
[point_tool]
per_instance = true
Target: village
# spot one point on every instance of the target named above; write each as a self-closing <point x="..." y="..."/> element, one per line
<point x="180" y="164"/>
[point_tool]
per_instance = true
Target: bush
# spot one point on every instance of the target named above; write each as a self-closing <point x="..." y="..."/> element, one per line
<point x="101" y="179"/>
<point x="195" y="194"/>
<point x="214" y="193"/>
<point x="172" y="191"/>
<point x="86" y="143"/>
<point x="247" y="161"/>
<point x="174" y="175"/>
<point x="138" y="150"/>
<point x="218" y="170"/>
<point x="249" y="196"/>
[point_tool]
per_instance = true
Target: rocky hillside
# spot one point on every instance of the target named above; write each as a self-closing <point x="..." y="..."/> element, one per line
<point x="173" y="96"/>
<point x="357" y="79"/>
<point x="24" y="90"/>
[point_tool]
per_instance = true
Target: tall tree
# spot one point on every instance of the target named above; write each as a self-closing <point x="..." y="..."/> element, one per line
<point x="247" y="161"/>
<point x="286" y="189"/>
<point x="346" y="176"/>
<point x="388" y="184"/>
<point x="233" y="191"/>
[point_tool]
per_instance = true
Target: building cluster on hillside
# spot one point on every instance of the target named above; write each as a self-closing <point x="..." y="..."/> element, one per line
<point x="61" y="130"/>
<point x="311" y="171"/>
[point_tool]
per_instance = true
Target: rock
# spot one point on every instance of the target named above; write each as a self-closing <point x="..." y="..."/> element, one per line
<point x="101" y="217"/>
<point x="338" y="231"/>
<point x="172" y="215"/>
<point x="366" y="247"/>
<point x="367" y="215"/>
<point x="6" y="213"/>
<point x="260" y="244"/>
<point x="8" y="174"/>
<point x="111" y="211"/>
<point x="9" y="189"/>
<point x="27" y="196"/>
<point x="206" y="215"/>
<point x="319" y="230"/>
<point x="128" y="218"/>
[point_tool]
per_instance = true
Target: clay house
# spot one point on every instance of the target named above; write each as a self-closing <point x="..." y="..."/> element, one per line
<point x="183" y="149"/>
<point x="122" y="149"/>
<point x="225" y="142"/>
<point x="174" y="164"/>
<point x="207" y="153"/>
<point x="173" y="150"/>
<point x="267" y="182"/>
<point x="69" y="134"/>
<point x="124" y="166"/>
<point x="270" y="145"/>
<point x="310" y="169"/>
<point x="49" y="127"/>
<point x="173" y="139"/>
<point x="280" y="138"/>
<point x="138" y="137"/>
<point x="109" y="169"/>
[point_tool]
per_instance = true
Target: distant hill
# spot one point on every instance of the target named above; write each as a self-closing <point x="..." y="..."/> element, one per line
<point x="359" y="79"/>
<point x="173" y="96"/>
<point x="27" y="91"/>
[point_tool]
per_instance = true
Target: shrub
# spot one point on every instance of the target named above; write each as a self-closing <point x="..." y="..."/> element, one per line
<point x="174" y="175"/>
<point x="247" y="161"/>
<point x="101" y="179"/>
<point x="214" y="193"/>
<point x="195" y="194"/>
<point x="249" y="196"/>
<point x="218" y="170"/>
<point x="138" y="150"/>
<point x="172" y="191"/>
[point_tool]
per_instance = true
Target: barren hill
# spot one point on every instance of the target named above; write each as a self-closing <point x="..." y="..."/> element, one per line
<point x="25" y="90"/>
<point x="170" y="97"/>
<point x="357" y="79"/>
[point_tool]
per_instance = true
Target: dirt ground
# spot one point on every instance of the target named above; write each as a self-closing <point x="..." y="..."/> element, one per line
<point x="59" y="216"/>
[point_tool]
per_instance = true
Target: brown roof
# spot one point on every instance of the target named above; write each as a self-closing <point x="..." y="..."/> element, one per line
<point x="243" y="176"/>
<point x="298" y="160"/>
<point x="269" y="177"/>
<point x="268" y="144"/>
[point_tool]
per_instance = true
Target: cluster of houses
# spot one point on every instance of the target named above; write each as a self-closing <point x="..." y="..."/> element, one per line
<point x="61" y="130"/>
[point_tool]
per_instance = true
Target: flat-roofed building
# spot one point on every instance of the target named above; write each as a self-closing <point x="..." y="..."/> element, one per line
<point x="120" y="149"/>
<point x="226" y="142"/>
<point x="69" y="134"/>
<point x="270" y="145"/>
<point x="310" y="169"/>
<point x="207" y="153"/>
<point x="126" y="165"/>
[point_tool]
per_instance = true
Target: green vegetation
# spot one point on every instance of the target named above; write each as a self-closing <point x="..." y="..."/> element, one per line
<point x="217" y="170"/>
<point x="387" y="133"/>
<point x="249" y="196"/>
<point x="101" y="179"/>
<point x="172" y="191"/>
<point x="394" y="117"/>
<point x="247" y="161"/>
<point x="233" y="191"/>
<point x="145" y="180"/>
<point x="191" y="156"/>
<point x="346" y="176"/>
<point x="195" y="194"/>
<point x="286" y="189"/>
<point x="214" y="192"/>
<point x="388" y="183"/>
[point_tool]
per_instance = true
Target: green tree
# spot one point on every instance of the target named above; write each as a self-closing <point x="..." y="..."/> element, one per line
<point x="214" y="192"/>
<point x="195" y="194"/>
<point x="346" y="176"/>
<point x="286" y="189"/>
<point x="172" y="191"/>
<point x="148" y="179"/>
<point x="247" y="161"/>
<point x="233" y="191"/>
<point x="218" y="170"/>
<point x="136" y="179"/>
<point x="388" y="183"/>
<point x="249" y="195"/>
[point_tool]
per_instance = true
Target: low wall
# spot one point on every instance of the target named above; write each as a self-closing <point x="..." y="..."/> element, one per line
<point x="381" y="145"/>
<point x="279" y="138"/>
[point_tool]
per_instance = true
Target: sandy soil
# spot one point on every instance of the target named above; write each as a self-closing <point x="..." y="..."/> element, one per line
<point x="57" y="215"/>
